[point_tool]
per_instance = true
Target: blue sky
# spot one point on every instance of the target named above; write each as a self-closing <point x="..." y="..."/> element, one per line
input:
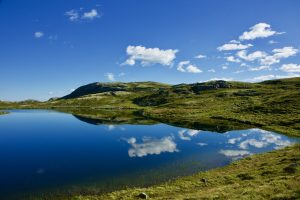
<point x="49" y="48"/>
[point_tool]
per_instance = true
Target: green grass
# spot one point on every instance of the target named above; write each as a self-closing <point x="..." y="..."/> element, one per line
<point x="215" y="106"/>
<point x="272" y="105"/>
<point x="274" y="175"/>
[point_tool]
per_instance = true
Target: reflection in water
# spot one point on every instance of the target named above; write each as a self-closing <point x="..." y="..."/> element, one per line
<point x="41" y="150"/>
<point x="151" y="146"/>
<point x="252" y="140"/>
<point x="187" y="134"/>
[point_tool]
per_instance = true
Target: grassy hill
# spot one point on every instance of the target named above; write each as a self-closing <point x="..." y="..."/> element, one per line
<point x="272" y="105"/>
<point x="215" y="106"/>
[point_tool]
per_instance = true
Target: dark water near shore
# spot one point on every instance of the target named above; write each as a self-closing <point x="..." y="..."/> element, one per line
<point x="50" y="152"/>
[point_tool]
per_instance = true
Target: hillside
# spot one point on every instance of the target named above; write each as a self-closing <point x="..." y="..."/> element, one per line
<point x="272" y="105"/>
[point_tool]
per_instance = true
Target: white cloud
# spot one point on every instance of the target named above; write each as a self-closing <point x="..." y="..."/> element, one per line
<point x="290" y="67"/>
<point x="252" y="56"/>
<point x="269" y="60"/>
<point x="217" y="79"/>
<point x="211" y="70"/>
<point x="260" y="30"/>
<point x="38" y="34"/>
<point x="224" y="67"/>
<point x="185" y="66"/>
<point x="272" y="76"/>
<point x="234" y="153"/>
<point x="259" y="68"/>
<point x="284" y="52"/>
<point x="193" y="69"/>
<point x="75" y="15"/>
<point x="234" y="46"/>
<point x="264" y="77"/>
<point x="150" y="56"/>
<point x="200" y="56"/>
<point x="72" y="14"/>
<point x="110" y="76"/>
<point x="272" y="42"/>
<point x="150" y="146"/>
<point x="90" y="15"/>
<point x="180" y="66"/>
<point x="232" y="59"/>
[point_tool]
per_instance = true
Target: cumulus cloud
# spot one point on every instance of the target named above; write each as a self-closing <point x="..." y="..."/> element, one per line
<point x="290" y="67"/>
<point x="252" y="56"/>
<point x="150" y="146"/>
<point x="272" y="42"/>
<point x="232" y="59"/>
<point x="260" y="30"/>
<point x="73" y="15"/>
<point x="78" y="15"/>
<point x="278" y="54"/>
<point x="217" y="79"/>
<point x="264" y="77"/>
<point x="200" y="56"/>
<point x="272" y="76"/>
<point x="211" y="70"/>
<point x="38" y="34"/>
<point x="90" y="15"/>
<point x="185" y="66"/>
<point x="234" y="46"/>
<point x="110" y="76"/>
<point x="263" y="67"/>
<point x="150" y="56"/>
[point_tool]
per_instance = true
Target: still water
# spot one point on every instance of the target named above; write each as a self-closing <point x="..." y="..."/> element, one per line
<point x="51" y="152"/>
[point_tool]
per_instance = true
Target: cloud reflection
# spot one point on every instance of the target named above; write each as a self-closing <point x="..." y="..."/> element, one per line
<point x="150" y="146"/>
<point x="187" y="134"/>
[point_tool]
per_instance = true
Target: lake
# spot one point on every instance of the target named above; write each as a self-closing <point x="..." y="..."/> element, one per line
<point x="49" y="152"/>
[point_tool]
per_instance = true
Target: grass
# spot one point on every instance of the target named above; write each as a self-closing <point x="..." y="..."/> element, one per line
<point x="273" y="175"/>
<point x="215" y="106"/>
<point x="272" y="105"/>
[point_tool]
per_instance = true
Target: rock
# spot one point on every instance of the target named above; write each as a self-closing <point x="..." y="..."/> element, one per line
<point x="204" y="180"/>
<point x="143" y="195"/>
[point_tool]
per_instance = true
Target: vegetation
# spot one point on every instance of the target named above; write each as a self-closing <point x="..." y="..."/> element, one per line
<point x="215" y="105"/>
<point x="272" y="105"/>
<point x="273" y="175"/>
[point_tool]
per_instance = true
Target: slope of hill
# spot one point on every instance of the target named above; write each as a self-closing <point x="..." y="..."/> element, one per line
<point x="272" y="105"/>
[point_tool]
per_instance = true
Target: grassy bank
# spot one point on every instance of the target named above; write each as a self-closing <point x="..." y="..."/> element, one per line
<point x="273" y="175"/>
<point x="215" y="106"/>
<point x="272" y="105"/>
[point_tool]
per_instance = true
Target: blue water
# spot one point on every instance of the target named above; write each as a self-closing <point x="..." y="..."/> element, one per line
<point x="47" y="151"/>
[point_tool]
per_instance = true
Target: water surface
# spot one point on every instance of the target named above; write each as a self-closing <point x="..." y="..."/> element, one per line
<point x="47" y="151"/>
